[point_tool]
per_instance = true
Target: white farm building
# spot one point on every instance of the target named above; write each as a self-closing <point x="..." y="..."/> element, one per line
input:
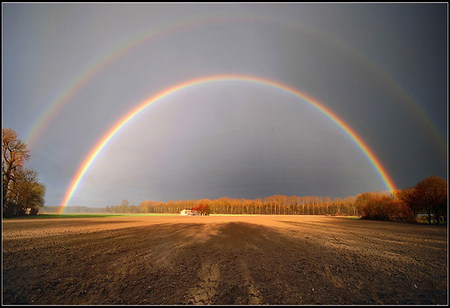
<point x="186" y="212"/>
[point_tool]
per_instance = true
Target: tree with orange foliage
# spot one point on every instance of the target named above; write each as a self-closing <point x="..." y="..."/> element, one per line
<point x="428" y="196"/>
<point x="203" y="209"/>
<point x="431" y="195"/>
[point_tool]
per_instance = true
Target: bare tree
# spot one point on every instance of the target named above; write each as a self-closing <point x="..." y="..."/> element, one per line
<point x="14" y="154"/>
<point x="21" y="189"/>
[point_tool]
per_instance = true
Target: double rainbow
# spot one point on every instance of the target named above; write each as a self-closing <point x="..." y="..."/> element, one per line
<point x="96" y="150"/>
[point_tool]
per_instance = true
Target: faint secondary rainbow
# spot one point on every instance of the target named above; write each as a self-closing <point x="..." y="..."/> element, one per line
<point x="95" y="151"/>
<point x="44" y="120"/>
<point x="92" y="71"/>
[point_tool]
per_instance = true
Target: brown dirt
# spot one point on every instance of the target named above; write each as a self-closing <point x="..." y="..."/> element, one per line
<point x="233" y="260"/>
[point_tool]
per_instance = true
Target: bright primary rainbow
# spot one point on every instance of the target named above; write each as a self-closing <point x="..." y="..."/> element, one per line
<point x="95" y="151"/>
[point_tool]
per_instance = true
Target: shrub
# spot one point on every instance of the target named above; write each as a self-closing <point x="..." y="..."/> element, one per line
<point x="381" y="207"/>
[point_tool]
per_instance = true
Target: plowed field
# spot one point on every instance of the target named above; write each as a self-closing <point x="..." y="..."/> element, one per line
<point x="234" y="260"/>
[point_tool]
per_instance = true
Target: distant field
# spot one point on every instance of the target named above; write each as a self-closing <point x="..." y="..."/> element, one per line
<point x="77" y="215"/>
<point x="234" y="260"/>
<point x="87" y="215"/>
<point x="93" y="215"/>
<point x="96" y="215"/>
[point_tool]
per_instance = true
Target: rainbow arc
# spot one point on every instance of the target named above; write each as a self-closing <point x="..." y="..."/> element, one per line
<point x="120" y="124"/>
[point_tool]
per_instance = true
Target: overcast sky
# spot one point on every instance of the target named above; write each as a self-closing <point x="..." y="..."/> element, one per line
<point x="382" y="68"/>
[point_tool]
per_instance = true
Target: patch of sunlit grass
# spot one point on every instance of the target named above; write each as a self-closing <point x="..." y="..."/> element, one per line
<point x="231" y="215"/>
<point x="353" y="217"/>
<point x="44" y="216"/>
<point x="88" y="215"/>
<point x="151" y="214"/>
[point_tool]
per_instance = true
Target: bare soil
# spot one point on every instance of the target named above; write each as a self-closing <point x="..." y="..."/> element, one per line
<point x="223" y="260"/>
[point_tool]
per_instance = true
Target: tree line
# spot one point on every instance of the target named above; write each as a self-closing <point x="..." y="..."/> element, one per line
<point x="23" y="193"/>
<point x="271" y="205"/>
<point x="428" y="197"/>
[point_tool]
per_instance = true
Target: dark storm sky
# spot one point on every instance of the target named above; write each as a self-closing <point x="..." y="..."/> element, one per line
<point x="382" y="68"/>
